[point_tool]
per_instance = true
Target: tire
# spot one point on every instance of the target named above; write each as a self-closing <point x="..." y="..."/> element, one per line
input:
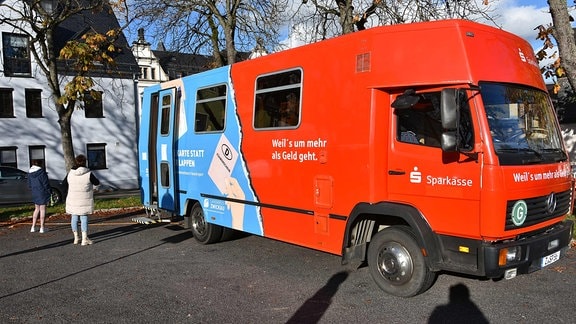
<point x="204" y="232"/>
<point x="55" y="198"/>
<point x="228" y="234"/>
<point x="396" y="263"/>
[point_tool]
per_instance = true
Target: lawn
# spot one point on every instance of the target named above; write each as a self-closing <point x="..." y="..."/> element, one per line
<point x="15" y="213"/>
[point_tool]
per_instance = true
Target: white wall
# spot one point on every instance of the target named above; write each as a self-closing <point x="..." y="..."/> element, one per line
<point x="117" y="129"/>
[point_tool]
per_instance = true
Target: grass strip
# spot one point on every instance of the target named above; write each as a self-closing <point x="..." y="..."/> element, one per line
<point x="15" y="213"/>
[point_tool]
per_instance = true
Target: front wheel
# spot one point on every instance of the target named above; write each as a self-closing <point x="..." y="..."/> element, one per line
<point x="396" y="263"/>
<point x="204" y="232"/>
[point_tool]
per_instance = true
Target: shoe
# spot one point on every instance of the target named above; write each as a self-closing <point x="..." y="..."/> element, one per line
<point x="32" y="230"/>
<point x="85" y="239"/>
<point x="43" y="230"/>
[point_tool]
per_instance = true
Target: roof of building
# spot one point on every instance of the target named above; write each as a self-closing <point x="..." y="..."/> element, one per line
<point x="181" y="64"/>
<point x="76" y="26"/>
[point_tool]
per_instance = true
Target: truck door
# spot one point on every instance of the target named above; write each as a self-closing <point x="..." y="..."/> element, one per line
<point x="443" y="186"/>
<point x="165" y="138"/>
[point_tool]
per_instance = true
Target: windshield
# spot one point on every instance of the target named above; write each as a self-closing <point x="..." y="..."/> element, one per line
<point x="522" y="124"/>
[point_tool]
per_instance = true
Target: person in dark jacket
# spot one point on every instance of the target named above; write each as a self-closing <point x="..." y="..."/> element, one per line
<point x="80" y="200"/>
<point x="41" y="192"/>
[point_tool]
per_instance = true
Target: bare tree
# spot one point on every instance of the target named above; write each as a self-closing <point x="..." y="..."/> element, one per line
<point x="329" y="18"/>
<point x="213" y="27"/>
<point x="39" y="20"/>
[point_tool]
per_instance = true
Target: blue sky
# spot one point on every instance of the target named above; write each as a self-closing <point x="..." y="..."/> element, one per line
<point x="516" y="16"/>
<point x="522" y="16"/>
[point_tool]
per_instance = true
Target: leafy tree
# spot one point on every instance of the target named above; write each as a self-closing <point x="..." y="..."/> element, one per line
<point x="564" y="61"/>
<point x="40" y="21"/>
<point x="84" y="54"/>
<point x="219" y="28"/>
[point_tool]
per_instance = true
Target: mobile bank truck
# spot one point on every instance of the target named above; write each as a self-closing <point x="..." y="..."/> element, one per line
<point x="414" y="148"/>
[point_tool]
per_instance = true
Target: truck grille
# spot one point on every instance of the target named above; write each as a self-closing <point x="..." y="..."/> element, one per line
<point x="538" y="209"/>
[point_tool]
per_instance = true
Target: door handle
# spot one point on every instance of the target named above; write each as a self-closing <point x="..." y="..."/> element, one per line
<point x="396" y="172"/>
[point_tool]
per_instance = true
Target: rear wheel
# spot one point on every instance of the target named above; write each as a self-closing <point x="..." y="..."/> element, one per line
<point x="396" y="263"/>
<point x="204" y="232"/>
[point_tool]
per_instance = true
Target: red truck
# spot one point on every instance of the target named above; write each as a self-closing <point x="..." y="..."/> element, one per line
<point x="413" y="148"/>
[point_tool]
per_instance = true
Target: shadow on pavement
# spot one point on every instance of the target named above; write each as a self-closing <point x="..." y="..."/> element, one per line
<point x="315" y="307"/>
<point x="99" y="237"/>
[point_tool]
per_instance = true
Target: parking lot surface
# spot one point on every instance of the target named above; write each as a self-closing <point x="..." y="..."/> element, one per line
<point x="136" y="273"/>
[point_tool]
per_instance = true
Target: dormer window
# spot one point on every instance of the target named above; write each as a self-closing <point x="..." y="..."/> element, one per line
<point x="49" y="5"/>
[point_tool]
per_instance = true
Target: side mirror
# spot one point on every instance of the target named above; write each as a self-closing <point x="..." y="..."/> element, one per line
<point x="449" y="109"/>
<point x="449" y="142"/>
<point x="450" y="115"/>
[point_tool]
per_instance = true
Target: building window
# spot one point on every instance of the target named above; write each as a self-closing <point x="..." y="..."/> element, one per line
<point x="8" y="156"/>
<point x="6" y="103"/>
<point x="33" y="103"/>
<point x="37" y="153"/>
<point x="277" y="102"/>
<point x="153" y="73"/>
<point x="16" y="55"/>
<point x="93" y="106"/>
<point x="210" y="109"/>
<point x="96" y="156"/>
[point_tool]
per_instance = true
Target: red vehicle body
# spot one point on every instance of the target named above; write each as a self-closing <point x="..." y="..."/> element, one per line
<point x="380" y="146"/>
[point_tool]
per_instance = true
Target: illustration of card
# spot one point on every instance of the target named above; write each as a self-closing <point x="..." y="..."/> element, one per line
<point x="222" y="164"/>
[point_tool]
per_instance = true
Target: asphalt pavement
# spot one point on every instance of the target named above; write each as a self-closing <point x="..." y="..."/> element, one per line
<point x="158" y="273"/>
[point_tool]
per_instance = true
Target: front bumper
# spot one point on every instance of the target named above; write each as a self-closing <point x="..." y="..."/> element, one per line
<point x="534" y="249"/>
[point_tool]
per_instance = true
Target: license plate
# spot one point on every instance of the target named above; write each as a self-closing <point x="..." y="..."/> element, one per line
<point x="549" y="259"/>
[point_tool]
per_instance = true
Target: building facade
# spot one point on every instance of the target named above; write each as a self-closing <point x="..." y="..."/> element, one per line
<point x="104" y="130"/>
<point x="160" y="65"/>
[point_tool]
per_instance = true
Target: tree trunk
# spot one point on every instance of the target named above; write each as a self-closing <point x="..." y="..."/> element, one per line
<point x="346" y="16"/>
<point x="64" y="119"/>
<point x="564" y="35"/>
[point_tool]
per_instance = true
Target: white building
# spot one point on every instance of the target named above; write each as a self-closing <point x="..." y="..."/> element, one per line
<point x="150" y="70"/>
<point x="160" y="65"/>
<point x="106" y="132"/>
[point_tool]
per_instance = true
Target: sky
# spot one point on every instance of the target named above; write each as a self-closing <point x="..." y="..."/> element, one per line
<point x="520" y="17"/>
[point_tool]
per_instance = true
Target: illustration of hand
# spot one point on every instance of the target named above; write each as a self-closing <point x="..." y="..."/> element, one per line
<point x="233" y="190"/>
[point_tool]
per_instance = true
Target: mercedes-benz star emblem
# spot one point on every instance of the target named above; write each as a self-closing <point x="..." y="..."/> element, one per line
<point x="551" y="203"/>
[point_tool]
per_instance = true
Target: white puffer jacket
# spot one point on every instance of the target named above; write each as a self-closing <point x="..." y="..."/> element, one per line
<point x="80" y="199"/>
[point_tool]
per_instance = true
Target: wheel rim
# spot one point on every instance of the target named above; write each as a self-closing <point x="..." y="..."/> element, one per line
<point x="395" y="263"/>
<point x="198" y="222"/>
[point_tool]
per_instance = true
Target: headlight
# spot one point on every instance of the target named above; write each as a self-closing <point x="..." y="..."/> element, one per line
<point x="509" y="255"/>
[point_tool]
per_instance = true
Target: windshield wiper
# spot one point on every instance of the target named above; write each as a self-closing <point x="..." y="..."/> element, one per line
<point x="563" y="156"/>
<point x="523" y="149"/>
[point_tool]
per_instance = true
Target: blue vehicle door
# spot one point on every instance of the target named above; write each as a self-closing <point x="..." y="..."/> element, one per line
<point x="168" y="100"/>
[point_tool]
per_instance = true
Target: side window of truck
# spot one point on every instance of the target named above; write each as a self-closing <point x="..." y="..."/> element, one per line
<point x="277" y="101"/>
<point x="210" y="109"/>
<point x="421" y="124"/>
